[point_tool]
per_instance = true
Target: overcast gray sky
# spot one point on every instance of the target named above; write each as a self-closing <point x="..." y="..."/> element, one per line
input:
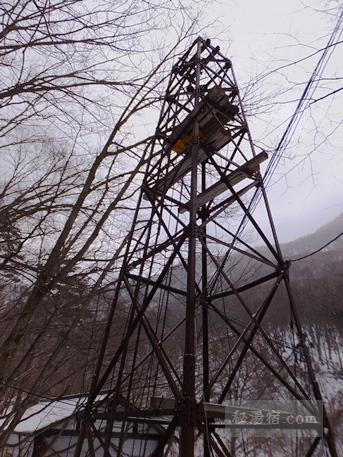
<point x="265" y="34"/>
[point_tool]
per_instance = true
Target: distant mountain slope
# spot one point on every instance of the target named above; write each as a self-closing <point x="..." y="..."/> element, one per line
<point x="313" y="241"/>
<point x="317" y="281"/>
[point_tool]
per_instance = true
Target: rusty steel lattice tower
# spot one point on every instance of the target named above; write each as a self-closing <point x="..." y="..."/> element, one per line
<point x="201" y="284"/>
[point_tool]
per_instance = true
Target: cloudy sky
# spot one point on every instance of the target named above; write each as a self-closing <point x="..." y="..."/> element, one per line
<point x="306" y="189"/>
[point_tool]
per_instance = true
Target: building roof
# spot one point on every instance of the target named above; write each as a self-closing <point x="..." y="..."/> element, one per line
<point x="47" y="413"/>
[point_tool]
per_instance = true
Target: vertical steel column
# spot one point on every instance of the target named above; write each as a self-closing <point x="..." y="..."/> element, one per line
<point x="188" y="407"/>
<point x="204" y="291"/>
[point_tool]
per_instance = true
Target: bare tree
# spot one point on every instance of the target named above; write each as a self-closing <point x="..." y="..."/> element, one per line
<point x="78" y="78"/>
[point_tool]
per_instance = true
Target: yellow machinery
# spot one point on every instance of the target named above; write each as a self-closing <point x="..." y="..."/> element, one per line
<point x="213" y="113"/>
